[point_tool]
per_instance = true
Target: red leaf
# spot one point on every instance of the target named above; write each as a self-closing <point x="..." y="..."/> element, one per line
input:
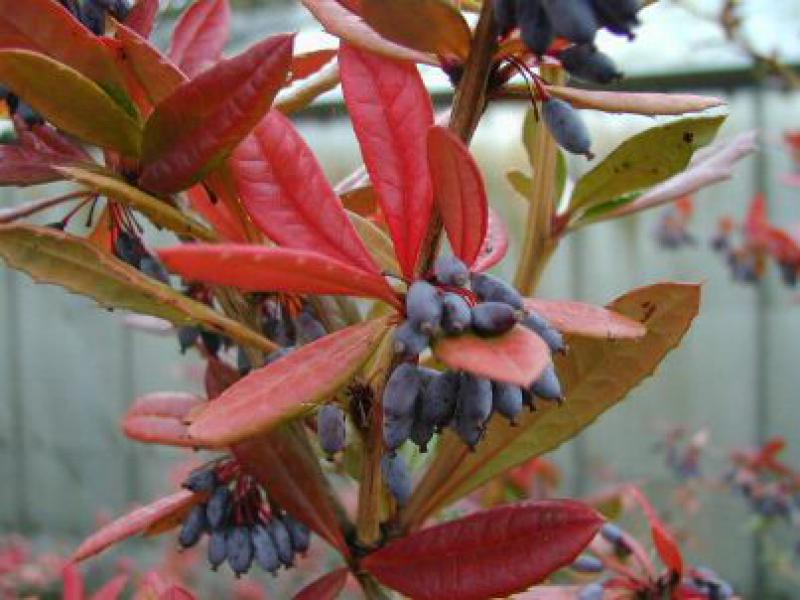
<point x="74" y="588"/>
<point x="194" y="129"/>
<point x="494" y="246"/>
<point x="306" y="64"/>
<point x="217" y="214"/>
<point x="283" y="463"/>
<point x="134" y="523"/>
<point x="458" y="192"/>
<point x="219" y="377"/>
<point x="201" y="35"/>
<point x="292" y="386"/>
<point x="161" y="418"/>
<point x="391" y="113"/>
<point x="143" y="16"/>
<point x="286" y="193"/>
<point x="488" y="554"/>
<point x="46" y="27"/>
<point x="258" y="268"/>
<point x="147" y="68"/>
<point x="665" y="543"/>
<point x="327" y="587"/>
<point x="518" y="357"/>
<point x="587" y="320"/>
<point x="176" y="592"/>
<point x="112" y="590"/>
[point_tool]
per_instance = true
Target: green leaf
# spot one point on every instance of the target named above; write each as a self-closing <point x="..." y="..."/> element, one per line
<point x="52" y="256"/>
<point x="596" y="374"/>
<point x="644" y="160"/>
<point x="597" y="212"/>
<point x="157" y="210"/>
<point x="70" y="101"/>
<point x="521" y="183"/>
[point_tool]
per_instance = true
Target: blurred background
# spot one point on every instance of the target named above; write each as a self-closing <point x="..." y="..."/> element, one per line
<point x="68" y="370"/>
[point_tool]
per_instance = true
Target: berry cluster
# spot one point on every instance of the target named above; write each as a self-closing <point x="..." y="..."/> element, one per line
<point x="239" y="523"/>
<point x="130" y="249"/>
<point x="92" y="13"/>
<point x="767" y="495"/>
<point x="700" y="582"/>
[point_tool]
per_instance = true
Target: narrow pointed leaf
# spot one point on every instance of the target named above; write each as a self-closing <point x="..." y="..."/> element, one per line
<point x="495" y="244"/>
<point x="459" y="193"/>
<point x="643" y="160"/>
<point x="161" y="418"/>
<point x="302" y="93"/>
<point x="23" y="165"/>
<point x="666" y="309"/>
<point x="639" y="103"/>
<point x="74" y="588"/>
<point x="430" y="26"/>
<point x="327" y="587"/>
<point x="201" y="35"/>
<point x="586" y="320"/>
<point x="349" y="27"/>
<point x="489" y="554"/>
<point x="518" y="356"/>
<point x="284" y="190"/>
<point x="143" y="16"/>
<point x="151" y="70"/>
<point x="306" y="64"/>
<point x="134" y="523"/>
<point x="259" y="268"/>
<point x="217" y="215"/>
<point x="288" y="387"/>
<point x="113" y="589"/>
<point x="285" y="464"/>
<point x="391" y="113"/>
<point x="47" y="27"/>
<point x="377" y="242"/>
<point x="666" y="545"/>
<point x="51" y="256"/>
<point x="157" y="210"/>
<point x="70" y="101"/>
<point x="201" y="122"/>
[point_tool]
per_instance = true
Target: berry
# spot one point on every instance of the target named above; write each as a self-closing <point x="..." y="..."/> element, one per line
<point x="299" y="534"/>
<point x="128" y="249"/>
<point x="456" y="314"/>
<point x="193" y="526"/>
<point x="493" y="318"/>
<point x="202" y="480"/>
<point x="396" y="477"/>
<point x="421" y="433"/>
<point x="489" y="288"/>
<point x="399" y="399"/>
<point x="212" y="341"/>
<point x="535" y="26"/>
<point x="437" y="402"/>
<point x="409" y="341"/>
<point x="586" y="563"/>
<point x="240" y="550"/>
<point x="266" y="555"/>
<point x="307" y="328"/>
<point x="572" y="19"/>
<point x="450" y="270"/>
<point x="548" y="386"/>
<point x="93" y="16"/>
<point x="26" y="113"/>
<point x="618" y="16"/>
<point x="505" y="15"/>
<point x="152" y="267"/>
<point x="567" y="127"/>
<point x="473" y="408"/>
<point x="187" y="337"/>
<point x="218" y="548"/>
<point x="424" y="306"/>
<point x="219" y="507"/>
<point x="507" y="400"/>
<point x="541" y="327"/>
<point x="331" y="429"/>
<point x="584" y="61"/>
<point x="282" y="540"/>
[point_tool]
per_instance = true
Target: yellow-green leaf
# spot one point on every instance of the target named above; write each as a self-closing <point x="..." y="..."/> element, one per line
<point x="377" y="242"/>
<point x="521" y="183"/>
<point x="52" y="256"/>
<point x="157" y="210"/>
<point x="595" y="374"/>
<point x="70" y="101"/>
<point x="425" y="25"/>
<point x="643" y="160"/>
